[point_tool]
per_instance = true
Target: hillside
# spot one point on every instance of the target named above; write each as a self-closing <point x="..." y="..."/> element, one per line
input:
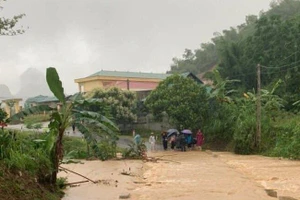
<point x="4" y="92"/>
<point x="33" y="83"/>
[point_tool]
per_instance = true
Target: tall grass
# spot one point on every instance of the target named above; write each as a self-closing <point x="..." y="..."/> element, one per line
<point x="20" y="152"/>
<point x="287" y="137"/>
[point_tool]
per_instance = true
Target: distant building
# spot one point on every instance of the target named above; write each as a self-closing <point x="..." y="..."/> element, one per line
<point x="141" y="82"/>
<point x="41" y="100"/>
<point x="11" y="105"/>
<point x="52" y="101"/>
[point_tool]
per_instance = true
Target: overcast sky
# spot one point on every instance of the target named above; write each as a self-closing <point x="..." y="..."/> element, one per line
<point x="81" y="37"/>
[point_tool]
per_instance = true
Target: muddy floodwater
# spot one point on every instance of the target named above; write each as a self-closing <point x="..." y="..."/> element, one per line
<point x="186" y="176"/>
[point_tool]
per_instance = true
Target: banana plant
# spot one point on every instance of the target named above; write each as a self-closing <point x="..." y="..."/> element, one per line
<point x="72" y="112"/>
<point x="219" y="90"/>
<point x="270" y="101"/>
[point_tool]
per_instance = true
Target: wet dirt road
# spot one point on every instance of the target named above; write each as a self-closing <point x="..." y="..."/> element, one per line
<point x="190" y="175"/>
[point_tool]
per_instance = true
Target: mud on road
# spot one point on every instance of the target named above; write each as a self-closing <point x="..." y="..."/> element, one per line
<point x="188" y="176"/>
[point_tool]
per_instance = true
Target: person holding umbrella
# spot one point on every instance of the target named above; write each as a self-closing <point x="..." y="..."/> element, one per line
<point x="172" y="141"/>
<point x="182" y="141"/>
<point x="165" y="140"/>
<point x="171" y="135"/>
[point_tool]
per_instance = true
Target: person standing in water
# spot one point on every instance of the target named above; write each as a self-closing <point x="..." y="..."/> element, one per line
<point x="152" y="142"/>
<point x="165" y="140"/>
<point x="200" y="139"/>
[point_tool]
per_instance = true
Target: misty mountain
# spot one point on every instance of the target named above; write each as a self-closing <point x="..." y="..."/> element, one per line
<point x="4" y="92"/>
<point x="33" y="83"/>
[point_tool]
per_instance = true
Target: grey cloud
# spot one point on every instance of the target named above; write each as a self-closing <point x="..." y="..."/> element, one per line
<point x="80" y="37"/>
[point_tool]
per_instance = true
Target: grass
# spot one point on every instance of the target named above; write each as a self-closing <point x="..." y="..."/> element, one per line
<point x="76" y="146"/>
<point x="36" y="118"/>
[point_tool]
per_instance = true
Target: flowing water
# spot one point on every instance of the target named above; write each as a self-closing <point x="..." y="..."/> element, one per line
<point x="187" y="176"/>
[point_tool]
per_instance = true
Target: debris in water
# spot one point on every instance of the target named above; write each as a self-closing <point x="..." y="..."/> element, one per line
<point x="124" y="196"/>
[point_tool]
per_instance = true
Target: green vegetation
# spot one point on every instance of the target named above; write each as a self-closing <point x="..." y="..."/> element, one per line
<point x="24" y="166"/>
<point x="3" y="115"/>
<point x="230" y="61"/>
<point x="93" y="125"/>
<point x="121" y="104"/>
<point x="182" y="99"/>
<point x="229" y="119"/>
<point x="8" y="25"/>
<point x="135" y="151"/>
<point x="270" y="39"/>
<point x="40" y="155"/>
<point x="36" y="118"/>
<point x="75" y="148"/>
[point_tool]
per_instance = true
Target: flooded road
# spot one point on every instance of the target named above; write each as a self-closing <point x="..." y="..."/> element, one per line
<point x="112" y="183"/>
<point x="188" y="176"/>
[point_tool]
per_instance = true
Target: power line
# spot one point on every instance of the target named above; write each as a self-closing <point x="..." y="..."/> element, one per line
<point x="265" y="67"/>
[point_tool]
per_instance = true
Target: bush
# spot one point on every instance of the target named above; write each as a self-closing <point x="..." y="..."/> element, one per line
<point x="135" y="151"/>
<point x="104" y="150"/>
<point x="76" y="146"/>
<point x="20" y="153"/>
<point x="287" y="140"/>
<point x="61" y="183"/>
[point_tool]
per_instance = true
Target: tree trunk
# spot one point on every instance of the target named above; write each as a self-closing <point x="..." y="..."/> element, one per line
<point x="58" y="155"/>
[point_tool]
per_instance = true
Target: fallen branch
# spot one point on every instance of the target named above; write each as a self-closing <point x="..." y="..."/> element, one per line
<point x="77" y="174"/>
<point x="74" y="183"/>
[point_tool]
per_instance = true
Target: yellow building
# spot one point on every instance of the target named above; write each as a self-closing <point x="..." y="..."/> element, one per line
<point x="134" y="81"/>
<point x="11" y="106"/>
<point x="142" y="83"/>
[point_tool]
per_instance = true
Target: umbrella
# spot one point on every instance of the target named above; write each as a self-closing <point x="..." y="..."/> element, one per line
<point x="186" y="131"/>
<point x="172" y="131"/>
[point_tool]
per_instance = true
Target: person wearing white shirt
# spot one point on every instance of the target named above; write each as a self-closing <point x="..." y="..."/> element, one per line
<point x="152" y="142"/>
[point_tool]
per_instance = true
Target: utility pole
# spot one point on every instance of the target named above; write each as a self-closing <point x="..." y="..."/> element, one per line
<point x="258" y="109"/>
<point x="128" y="84"/>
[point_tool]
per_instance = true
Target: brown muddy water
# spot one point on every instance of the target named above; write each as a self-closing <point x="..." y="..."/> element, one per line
<point x="187" y="176"/>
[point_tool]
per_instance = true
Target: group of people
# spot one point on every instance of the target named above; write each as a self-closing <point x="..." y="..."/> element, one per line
<point x="177" y="141"/>
<point x="183" y="141"/>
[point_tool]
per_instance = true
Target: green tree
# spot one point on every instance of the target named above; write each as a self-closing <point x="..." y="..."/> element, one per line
<point x="8" y="26"/>
<point x="182" y="99"/>
<point x="220" y="116"/>
<point x="122" y="103"/>
<point x="3" y="115"/>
